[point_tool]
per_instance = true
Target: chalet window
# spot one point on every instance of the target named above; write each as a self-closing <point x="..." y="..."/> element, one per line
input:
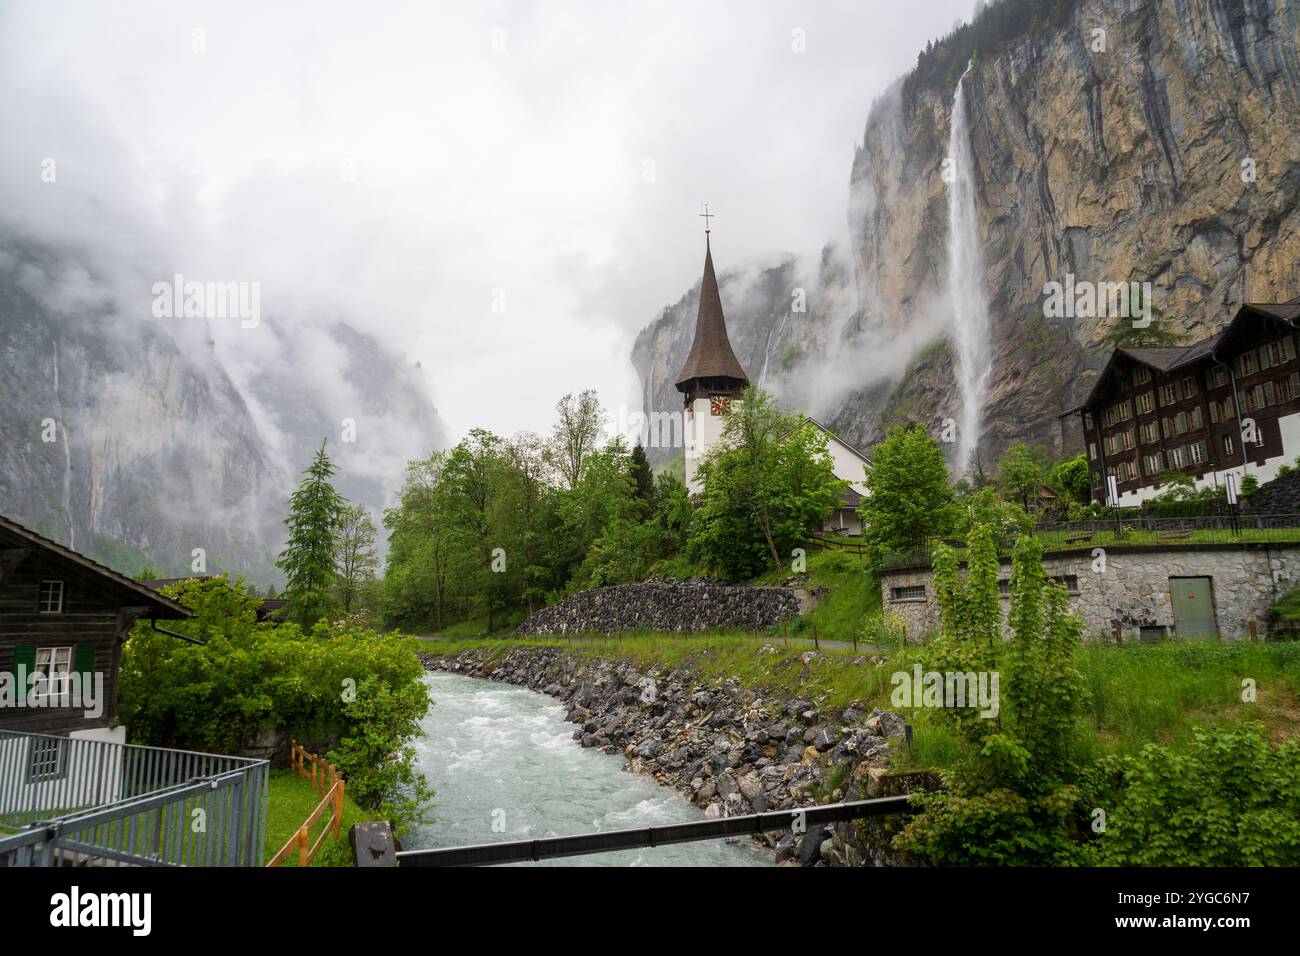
<point x="1128" y="440"/>
<point x="1229" y="409"/>
<point x="1260" y="396"/>
<point x="1167" y="427"/>
<point x="1180" y="423"/>
<point x="1218" y="376"/>
<point x="1146" y="403"/>
<point x="1281" y="351"/>
<point x="1151" y="465"/>
<point x="910" y="592"/>
<point x="1197" y="420"/>
<point x="1127" y="470"/>
<point x="1071" y="582"/>
<point x="1168" y="394"/>
<point x="53" y="672"/>
<point x="1092" y="451"/>
<point x="1227" y="445"/>
<point x="1198" y="452"/>
<point x="1141" y="375"/>
<point x="50" y="600"/>
<point x="48" y="759"/>
<point x="1151" y="433"/>
<point x="1270" y="393"/>
<point x="1246" y="363"/>
<point x="1189" y="387"/>
<point x="1294" y="381"/>
<point x="1176" y="458"/>
<point x="1282" y="389"/>
<point x="1215" y="410"/>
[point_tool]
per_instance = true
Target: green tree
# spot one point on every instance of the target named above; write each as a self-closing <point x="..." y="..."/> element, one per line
<point x="643" y="480"/>
<point x="768" y="485"/>
<point x="908" y="497"/>
<point x="577" y="434"/>
<point x="1011" y="799"/>
<point x="355" y="560"/>
<point x="1021" y="475"/>
<point x="1070" y="478"/>
<point x="308" y="556"/>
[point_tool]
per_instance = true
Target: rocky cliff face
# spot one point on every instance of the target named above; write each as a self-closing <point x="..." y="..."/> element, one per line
<point x="132" y="442"/>
<point x="1117" y="164"/>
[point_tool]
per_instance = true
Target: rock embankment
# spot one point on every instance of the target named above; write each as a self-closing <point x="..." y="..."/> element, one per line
<point x="668" y="606"/>
<point x="730" y="749"/>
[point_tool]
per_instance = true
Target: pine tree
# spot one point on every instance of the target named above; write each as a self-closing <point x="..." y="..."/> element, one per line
<point x="642" y="477"/>
<point x="307" y="560"/>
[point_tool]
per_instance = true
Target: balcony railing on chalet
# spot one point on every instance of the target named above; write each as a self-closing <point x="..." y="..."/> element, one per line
<point x="66" y="801"/>
<point x="1132" y="529"/>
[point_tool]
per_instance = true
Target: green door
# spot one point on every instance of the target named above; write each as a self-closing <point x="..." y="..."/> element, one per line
<point x="1193" y="608"/>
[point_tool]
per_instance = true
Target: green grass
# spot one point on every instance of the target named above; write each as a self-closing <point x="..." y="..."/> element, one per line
<point x="290" y="800"/>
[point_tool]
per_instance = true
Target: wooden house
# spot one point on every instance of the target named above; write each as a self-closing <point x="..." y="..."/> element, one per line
<point x="63" y="618"/>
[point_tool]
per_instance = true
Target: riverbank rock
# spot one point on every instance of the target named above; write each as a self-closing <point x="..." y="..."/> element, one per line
<point x="726" y="747"/>
<point x="670" y="606"/>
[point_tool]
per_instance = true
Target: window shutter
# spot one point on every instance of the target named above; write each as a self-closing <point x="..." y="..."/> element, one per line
<point x="83" y="660"/>
<point x="25" y="657"/>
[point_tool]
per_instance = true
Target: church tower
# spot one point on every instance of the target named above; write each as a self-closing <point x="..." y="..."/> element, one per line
<point x="711" y="378"/>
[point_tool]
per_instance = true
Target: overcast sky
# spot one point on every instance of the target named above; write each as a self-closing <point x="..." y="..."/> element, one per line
<point x="406" y="167"/>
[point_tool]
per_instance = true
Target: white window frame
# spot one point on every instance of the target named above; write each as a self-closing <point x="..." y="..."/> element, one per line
<point x="54" y="670"/>
<point x="44" y="602"/>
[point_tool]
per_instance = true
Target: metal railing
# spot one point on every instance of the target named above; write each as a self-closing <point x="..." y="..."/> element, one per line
<point x="519" y="851"/>
<point x="73" y="801"/>
<point x="1136" y="529"/>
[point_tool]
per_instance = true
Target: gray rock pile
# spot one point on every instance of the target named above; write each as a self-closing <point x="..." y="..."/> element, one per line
<point x="667" y="606"/>
<point x="727" y="747"/>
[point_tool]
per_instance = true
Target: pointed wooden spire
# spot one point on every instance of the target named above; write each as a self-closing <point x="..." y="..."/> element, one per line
<point x="711" y="356"/>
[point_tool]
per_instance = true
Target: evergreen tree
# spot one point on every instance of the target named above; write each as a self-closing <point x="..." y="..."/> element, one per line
<point x="315" y="510"/>
<point x="642" y="477"/>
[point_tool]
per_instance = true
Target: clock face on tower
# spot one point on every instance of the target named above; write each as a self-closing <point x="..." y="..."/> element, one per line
<point x="719" y="404"/>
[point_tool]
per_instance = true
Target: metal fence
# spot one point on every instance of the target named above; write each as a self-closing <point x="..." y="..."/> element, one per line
<point x="1136" y="529"/>
<point x="72" y="801"/>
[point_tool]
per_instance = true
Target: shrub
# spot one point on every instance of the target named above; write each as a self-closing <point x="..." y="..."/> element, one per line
<point x="1228" y="800"/>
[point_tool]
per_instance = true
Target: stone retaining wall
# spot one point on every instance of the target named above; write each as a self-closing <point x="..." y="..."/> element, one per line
<point x="668" y="606"/>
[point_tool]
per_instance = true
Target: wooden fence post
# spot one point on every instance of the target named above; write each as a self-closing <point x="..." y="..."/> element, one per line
<point x="303" y="859"/>
<point x="1119" y="635"/>
<point x="338" y="807"/>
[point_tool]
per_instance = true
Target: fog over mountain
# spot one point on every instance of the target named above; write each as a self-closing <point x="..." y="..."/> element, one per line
<point x="453" y="215"/>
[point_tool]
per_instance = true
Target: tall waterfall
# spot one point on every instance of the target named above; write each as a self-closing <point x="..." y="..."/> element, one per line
<point x="966" y="282"/>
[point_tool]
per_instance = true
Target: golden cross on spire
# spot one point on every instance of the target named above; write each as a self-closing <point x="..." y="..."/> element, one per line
<point x="706" y="216"/>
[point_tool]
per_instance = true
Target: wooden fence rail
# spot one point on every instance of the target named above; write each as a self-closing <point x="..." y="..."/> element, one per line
<point x="326" y="781"/>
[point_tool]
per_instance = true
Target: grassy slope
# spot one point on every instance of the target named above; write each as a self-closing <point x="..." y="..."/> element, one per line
<point x="290" y="800"/>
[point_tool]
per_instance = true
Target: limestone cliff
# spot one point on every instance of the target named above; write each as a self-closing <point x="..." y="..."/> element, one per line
<point x="1114" y="156"/>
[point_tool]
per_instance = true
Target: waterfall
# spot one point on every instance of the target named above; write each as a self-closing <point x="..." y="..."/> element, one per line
<point x="67" y="454"/>
<point x="966" y="282"/>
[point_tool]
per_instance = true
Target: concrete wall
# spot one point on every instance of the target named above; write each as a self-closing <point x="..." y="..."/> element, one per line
<point x="1130" y="587"/>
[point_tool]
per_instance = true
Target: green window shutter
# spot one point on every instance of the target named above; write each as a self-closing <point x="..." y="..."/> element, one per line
<point x="83" y="659"/>
<point x="24" y="656"/>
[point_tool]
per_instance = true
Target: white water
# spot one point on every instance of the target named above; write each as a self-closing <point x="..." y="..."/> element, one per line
<point x="966" y="284"/>
<point x="67" y="455"/>
<point x="505" y="754"/>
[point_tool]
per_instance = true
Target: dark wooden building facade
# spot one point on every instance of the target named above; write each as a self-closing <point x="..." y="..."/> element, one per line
<point x="61" y="613"/>
<point x="1228" y="404"/>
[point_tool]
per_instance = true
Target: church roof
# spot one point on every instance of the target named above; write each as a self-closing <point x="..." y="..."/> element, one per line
<point x="711" y="355"/>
